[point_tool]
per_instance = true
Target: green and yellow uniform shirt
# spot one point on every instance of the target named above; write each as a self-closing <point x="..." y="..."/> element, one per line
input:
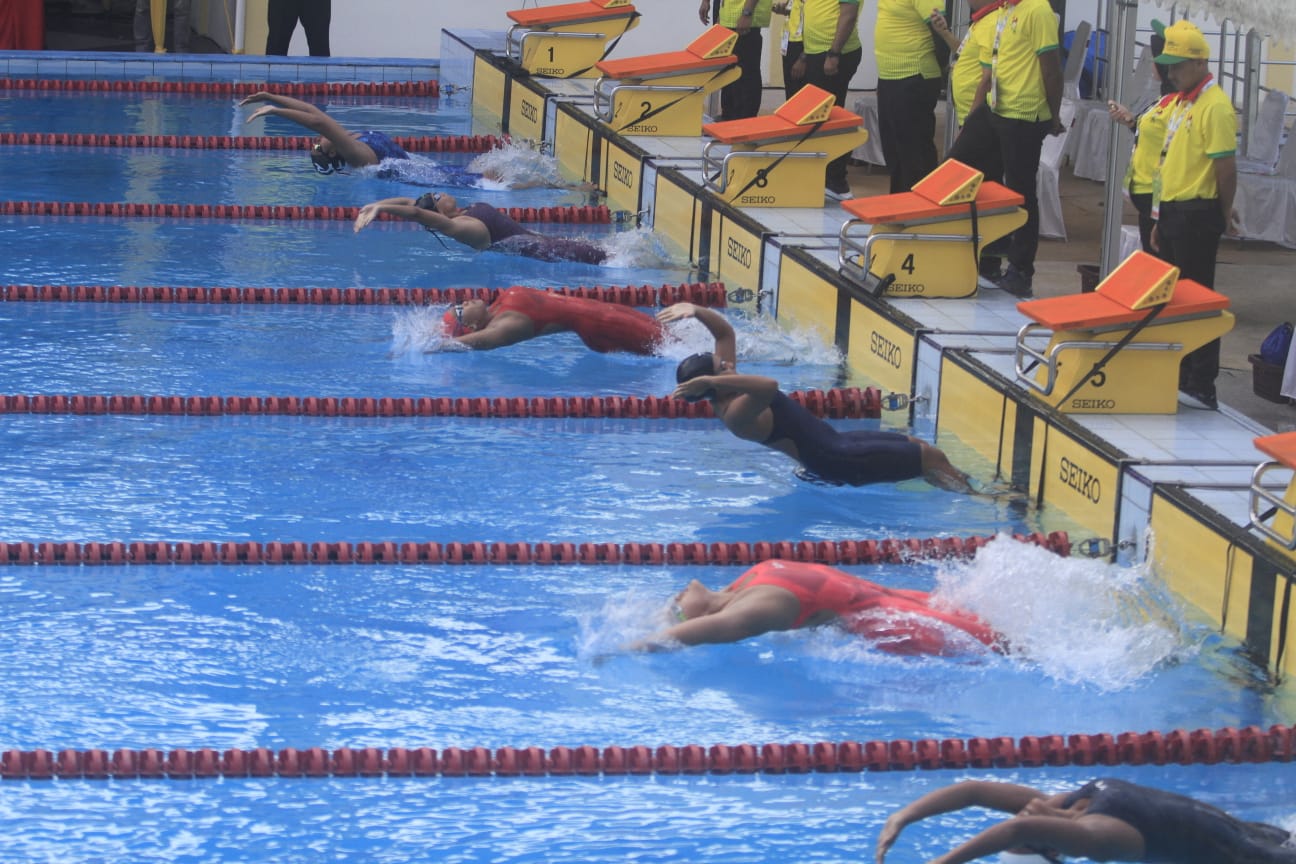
<point x="965" y="76"/>
<point x="1204" y="130"/>
<point x="820" y="20"/>
<point x="1021" y="33"/>
<point x="731" y="11"/>
<point x="902" y="40"/>
<point x="1149" y="139"/>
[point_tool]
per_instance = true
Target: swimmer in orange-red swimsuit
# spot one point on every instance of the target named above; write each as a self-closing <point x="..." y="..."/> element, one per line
<point x="522" y="313"/>
<point x="789" y="595"/>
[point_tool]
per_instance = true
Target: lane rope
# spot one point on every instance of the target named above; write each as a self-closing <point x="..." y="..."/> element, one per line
<point x="833" y="552"/>
<point x="837" y="404"/>
<point x="240" y="89"/>
<point x="412" y="144"/>
<point x="1228" y="745"/>
<point x="588" y="214"/>
<point x="710" y="294"/>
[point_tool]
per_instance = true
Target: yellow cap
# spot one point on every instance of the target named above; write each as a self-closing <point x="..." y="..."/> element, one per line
<point x="1183" y="41"/>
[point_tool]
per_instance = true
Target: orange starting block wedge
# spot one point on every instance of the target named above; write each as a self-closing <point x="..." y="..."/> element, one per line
<point x="780" y="159"/>
<point x="665" y="94"/>
<point x="1117" y="350"/>
<point x="927" y="242"/>
<point x="1273" y="515"/>
<point x="569" y="39"/>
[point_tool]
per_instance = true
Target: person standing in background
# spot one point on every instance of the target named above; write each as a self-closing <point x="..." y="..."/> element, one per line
<point x="908" y="88"/>
<point x="179" y="10"/>
<point x="315" y="17"/>
<point x="1192" y="194"/>
<point x="791" y="47"/>
<point x="742" y="98"/>
<point x="831" y="52"/>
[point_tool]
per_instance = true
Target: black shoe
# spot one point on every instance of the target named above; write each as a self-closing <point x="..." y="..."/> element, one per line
<point x="839" y="189"/>
<point x="1016" y="283"/>
<point x="990" y="268"/>
<point x="1202" y="400"/>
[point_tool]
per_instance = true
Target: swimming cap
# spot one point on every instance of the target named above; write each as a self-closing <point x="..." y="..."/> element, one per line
<point x="693" y="366"/>
<point x="326" y="163"/>
<point x="427" y="201"/>
<point x="454" y="324"/>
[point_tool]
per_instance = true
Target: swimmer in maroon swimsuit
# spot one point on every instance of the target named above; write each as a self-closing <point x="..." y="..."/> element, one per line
<point x="790" y="595"/>
<point x="522" y="313"/>
<point x="1104" y="820"/>
<point x="753" y="408"/>
<point x="482" y="226"/>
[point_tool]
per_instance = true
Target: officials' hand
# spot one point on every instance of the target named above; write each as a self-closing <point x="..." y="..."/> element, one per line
<point x="1057" y="128"/>
<point x="366" y="215"/>
<point x="744" y="24"/>
<point x="704" y="11"/>
<point x="1120" y="114"/>
<point x="1154" y="239"/>
<point x="798" y="68"/>
<point x="938" y="22"/>
<point x="1234" y="228"/>
<point x="830" y="67"/>
<point x="676" y="312"/>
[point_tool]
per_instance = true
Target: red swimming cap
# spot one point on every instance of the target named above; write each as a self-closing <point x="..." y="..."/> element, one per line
<point x="452" y="326"/>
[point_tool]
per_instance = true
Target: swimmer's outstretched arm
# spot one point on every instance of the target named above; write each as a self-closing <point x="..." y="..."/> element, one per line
<point x="1007" y="797"/>
<point x="301" y="113"/>
<point x="728" y="625"/>
<point x="726" y="343"/>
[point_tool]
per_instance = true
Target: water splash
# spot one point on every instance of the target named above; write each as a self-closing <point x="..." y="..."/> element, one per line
<point x="621" y="619"/>
<point x="761" y="339"/>
<point x="1077" y="620"/>
<point x="420" y="330"/>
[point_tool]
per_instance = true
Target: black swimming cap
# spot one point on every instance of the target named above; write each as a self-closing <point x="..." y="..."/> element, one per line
<point x="694" y="365"/>
<point x="427" y="201"/>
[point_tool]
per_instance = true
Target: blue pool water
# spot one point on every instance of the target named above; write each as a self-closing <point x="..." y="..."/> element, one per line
<point x="245" y="656"/>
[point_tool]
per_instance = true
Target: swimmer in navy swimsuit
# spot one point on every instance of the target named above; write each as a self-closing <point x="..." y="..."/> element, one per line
<point x="1105" y="820"/>
<point x="753" y="408"/>
<point x="790" y="595"/>
<point x="482" y="226"/>
<point x="521" y="313"/>
<point x="336" y="148"/>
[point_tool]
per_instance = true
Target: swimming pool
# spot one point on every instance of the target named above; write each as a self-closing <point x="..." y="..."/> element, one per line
<point x="246" y="656"/>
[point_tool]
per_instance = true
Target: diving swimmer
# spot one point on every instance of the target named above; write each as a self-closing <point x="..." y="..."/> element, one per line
<point x="482" y="226"/>
<point x="520" y="313"/>
<point x="753" y="408"/>
<point x="1104" y="820"/>
<point x="791" y="595"/>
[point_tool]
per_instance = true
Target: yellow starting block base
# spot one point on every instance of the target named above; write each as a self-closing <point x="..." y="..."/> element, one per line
<point x="665" y="94"/>
<point x="1272" y="515"/>
<point x="926" y="242"/>
<point x="780" y="159"/>
<point x="1142" y="377"/>
<point x="567" y="40"/>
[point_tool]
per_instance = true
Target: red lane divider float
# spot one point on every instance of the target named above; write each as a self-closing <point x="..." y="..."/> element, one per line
<point x="1250" y="744"/>
<point x="227" y="88"/>
<point x="837" y="404"/>
<point x="836" y="552"/>
<point x="701" y="293"/>
<point x="589" y="214"/>
<point x="425" y="144"/>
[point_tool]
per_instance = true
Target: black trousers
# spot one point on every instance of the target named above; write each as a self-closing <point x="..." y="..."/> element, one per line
<point x="1189" y="234"/>
<point x="907" y="127"/>
<point x="837" y="85"/>
<point x="1142" y="202"/>
<point x="790" y="87"/>
<point x="314" y="15"/>
<point x="742" y="98"/>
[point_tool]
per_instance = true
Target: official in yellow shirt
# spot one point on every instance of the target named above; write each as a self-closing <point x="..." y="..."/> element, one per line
<point x="831" y="52"/>
<point x="1192" y="195"/>
<point x="742" y="98"/>
<point x="907" y="90"/>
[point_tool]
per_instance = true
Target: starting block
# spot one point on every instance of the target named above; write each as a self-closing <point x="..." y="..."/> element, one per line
<point x="780" y="159"/>
<point x="664" y="94"/>
<point x="1282" y="531"/>
<point x="1122" y="343"/>
<point x="567" y="40"/>
<point x="927" y="242"/>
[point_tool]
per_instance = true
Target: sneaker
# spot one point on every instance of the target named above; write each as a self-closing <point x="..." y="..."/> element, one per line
<point x="1202" y="400"/>
<point x="1016" y="283"/>
<point x="838" y="191"/>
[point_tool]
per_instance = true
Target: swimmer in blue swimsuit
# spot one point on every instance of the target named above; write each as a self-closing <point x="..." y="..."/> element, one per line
<point x="753" y="408"/>
<point x="1104" y="820"/>
<point x="482" y="226"/>
<point x="336" y="148"/>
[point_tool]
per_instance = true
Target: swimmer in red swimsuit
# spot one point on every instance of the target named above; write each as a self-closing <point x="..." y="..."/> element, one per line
<point x="790" y="595"/>
<point x="753" y="408"/>
<point x="522" y="313"/>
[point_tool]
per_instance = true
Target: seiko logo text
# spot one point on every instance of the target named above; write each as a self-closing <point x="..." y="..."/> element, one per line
<point x="738" y="252"/>
<point x="1080" y="480"/>
<point x="641" y="130"/>
<point x="906" y="288"/>
<point x="556" y="71"/>
<point x="1093" y="404"/>
<point x="885" y="350"/>
<point x="622" y="174"/>
<point x="756" y="199"/>
<point x="529" y="111"/>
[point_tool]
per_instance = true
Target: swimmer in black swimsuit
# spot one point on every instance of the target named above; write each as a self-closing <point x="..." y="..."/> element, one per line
<point x="482" y="226"/>
<point x="753" y="408"/>
<point x="1105" y="820"/>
